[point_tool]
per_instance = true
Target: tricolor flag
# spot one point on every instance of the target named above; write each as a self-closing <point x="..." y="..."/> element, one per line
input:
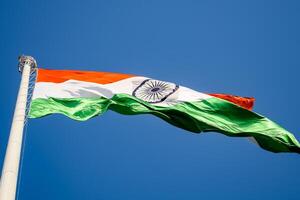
<point x="81" y="95"/>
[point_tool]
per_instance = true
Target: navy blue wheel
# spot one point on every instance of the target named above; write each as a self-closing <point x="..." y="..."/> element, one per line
<point x="154" y="91"/>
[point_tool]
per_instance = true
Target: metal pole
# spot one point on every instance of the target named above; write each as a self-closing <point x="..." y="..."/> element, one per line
<point x="10" y="170"/>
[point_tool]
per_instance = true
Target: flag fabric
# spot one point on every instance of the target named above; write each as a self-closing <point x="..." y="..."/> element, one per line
<point x="82" y="95"/>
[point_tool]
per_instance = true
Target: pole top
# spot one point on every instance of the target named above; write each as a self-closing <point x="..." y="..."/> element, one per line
<point x="26" y="60"/>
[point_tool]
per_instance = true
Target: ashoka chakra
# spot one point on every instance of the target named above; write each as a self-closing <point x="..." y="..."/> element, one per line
<point x="154" y="91"/>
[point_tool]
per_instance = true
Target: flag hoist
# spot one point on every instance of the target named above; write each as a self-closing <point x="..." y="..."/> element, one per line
<point x="10" y="170"/>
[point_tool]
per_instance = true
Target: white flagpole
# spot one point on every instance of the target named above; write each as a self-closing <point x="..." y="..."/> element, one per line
<point x="10" y="170"/>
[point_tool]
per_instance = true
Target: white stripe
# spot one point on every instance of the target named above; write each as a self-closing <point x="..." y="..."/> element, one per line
<point x="82" y="89"/>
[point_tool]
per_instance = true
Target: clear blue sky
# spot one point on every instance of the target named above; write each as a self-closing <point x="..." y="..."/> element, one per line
<point x="248" y="48"/>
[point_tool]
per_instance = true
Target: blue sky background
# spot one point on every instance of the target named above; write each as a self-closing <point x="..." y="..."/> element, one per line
<point x="248" y="48"/>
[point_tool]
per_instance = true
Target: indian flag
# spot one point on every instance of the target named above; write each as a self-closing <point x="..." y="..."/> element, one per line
<point x="82" y="95"/>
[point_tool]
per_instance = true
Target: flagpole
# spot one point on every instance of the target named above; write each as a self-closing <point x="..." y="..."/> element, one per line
<point x="10" y="170"/>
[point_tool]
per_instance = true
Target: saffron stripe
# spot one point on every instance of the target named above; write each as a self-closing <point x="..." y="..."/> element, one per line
<point x="245" y="102"/>
<point x="59" y="76"/>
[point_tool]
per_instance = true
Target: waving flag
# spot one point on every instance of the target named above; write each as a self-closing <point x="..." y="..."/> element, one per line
<point x="81" y="95"/>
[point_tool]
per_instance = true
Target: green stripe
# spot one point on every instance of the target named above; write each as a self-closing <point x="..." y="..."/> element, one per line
<point x="208" y="115"/>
